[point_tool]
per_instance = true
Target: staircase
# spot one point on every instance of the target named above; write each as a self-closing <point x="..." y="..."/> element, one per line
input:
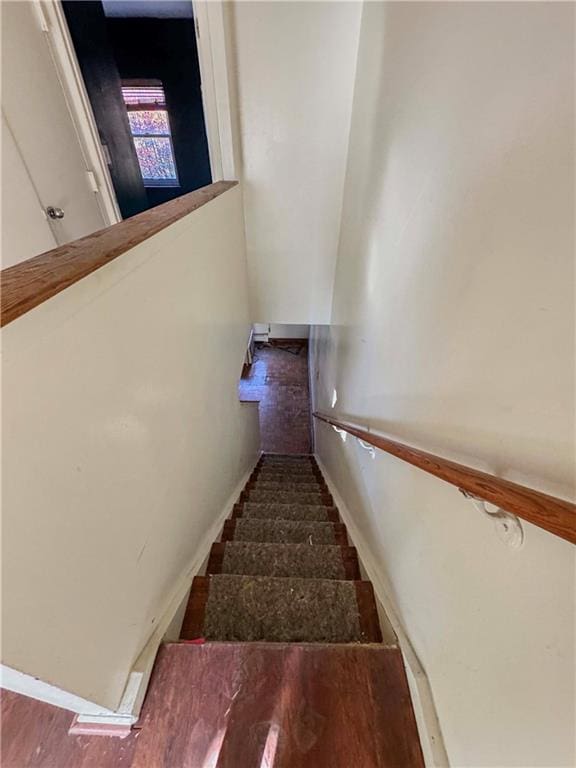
<point x="284" y="571"/>
<point x="281" y="647"/>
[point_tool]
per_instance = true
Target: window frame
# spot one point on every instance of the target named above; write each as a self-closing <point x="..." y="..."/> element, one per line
<point x="152" y="106"/>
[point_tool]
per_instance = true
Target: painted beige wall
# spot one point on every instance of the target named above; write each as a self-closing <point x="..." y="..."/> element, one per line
<point x="122" y="439"/>
<point x="289" y="331"/>
<point x="453" y="330"/>
<point x="295" y="75"/>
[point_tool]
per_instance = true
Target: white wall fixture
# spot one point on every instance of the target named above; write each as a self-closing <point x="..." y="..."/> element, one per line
<point x="507" y="525"/>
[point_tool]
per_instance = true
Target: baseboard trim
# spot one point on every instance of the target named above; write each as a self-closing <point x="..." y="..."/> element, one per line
<point x="20" y="682"/>
<point x="433" y="747"/>
<point x="98" y="729"/>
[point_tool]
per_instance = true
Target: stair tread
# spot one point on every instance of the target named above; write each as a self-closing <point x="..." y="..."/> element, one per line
<point x="290" y="475"/>
<point x="277" y="458"/>
<point x="287" y="457"/>
<point x="284" y="531"/>
<point x="264" y="608"/>
<point x="295" y="477"/>
<point x="268" y="559"/>
<point x="289" y="466"/>
<point x="286" y="486"/>
<point x="286" y="496"/>
<point x="333" y="706"/>
<point x="288" y="511"/>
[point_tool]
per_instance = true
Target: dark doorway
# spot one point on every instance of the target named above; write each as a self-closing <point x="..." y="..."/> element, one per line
<point x="143" y="79"/>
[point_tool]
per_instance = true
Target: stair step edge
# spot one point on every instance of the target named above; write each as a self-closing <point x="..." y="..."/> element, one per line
<point x="331" y="515"/>
<point x="348" y="554"/>
<point x="193" y="625"/>
<point x="315" y="529"/>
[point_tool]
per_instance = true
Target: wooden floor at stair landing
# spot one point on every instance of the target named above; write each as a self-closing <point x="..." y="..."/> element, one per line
<point x="240" y="705"/>
<point x="278" y="380"/>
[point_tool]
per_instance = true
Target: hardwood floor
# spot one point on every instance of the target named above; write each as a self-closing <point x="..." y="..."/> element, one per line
<point x="278" y="380"/>
<point x="241" y="705"/>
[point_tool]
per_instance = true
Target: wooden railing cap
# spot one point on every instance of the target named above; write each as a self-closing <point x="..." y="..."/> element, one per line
<point x="28" y="284"/>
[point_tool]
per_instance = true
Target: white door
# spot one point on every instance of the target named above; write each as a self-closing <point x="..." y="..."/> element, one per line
<point x="25" y="230"/>
<point x="40" y="132"/>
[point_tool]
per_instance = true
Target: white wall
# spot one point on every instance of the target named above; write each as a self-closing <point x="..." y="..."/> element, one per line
<point x="279" y="331"/>
<point x="295" y="74"/>
<point x="122" y="439"/>
<point x="453" y="330"/>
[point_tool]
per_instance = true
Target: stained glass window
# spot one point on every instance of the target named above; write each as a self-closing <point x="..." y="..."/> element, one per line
<point x="150" y="127"/>
<point x="156" y="158"/>
<point x="149" y="122"/>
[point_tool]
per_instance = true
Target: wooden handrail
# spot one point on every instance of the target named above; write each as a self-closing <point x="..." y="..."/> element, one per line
<point x="28" y="284"/>
<point x="554" y="515"/>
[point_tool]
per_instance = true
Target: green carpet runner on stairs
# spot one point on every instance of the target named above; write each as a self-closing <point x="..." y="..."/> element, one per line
<point x="284" y="571"/>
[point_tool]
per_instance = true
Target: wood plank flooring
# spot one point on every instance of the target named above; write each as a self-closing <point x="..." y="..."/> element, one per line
<point x="278" y="380"/>
<point x="240" y="705"/>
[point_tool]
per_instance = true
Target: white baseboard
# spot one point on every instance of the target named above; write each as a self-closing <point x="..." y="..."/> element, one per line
<point x="435" y="755"/>
<point x="13" y="680"/>
<point x="128" y="711"/>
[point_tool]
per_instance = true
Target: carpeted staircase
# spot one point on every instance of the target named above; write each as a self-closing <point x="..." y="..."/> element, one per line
<point x="283" y="571"/>
<point x="281" y="662"/>
<point x="314" y="686"/>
